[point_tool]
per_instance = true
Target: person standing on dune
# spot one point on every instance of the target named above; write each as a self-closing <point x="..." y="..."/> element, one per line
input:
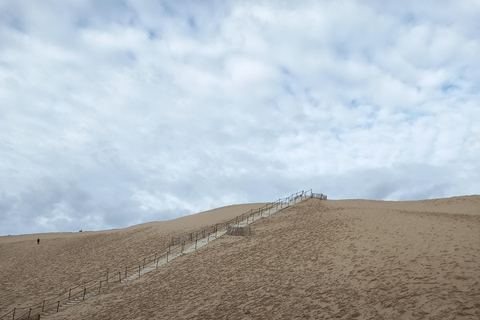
<point x="38" y="241"/>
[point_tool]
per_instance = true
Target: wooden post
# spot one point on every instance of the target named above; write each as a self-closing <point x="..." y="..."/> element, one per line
<point x="167" y="256"/>
<point x="29" y="312"/>
<point x="157" y="262"/>
<point x="144" y="263"/>
<point x="38" y="317"/>
<point x="43" y="305"/>
<point x="126" y="272"/>
<point x="155" y="258"/>
<point x="216" y="229"/>
<point x="119" y="277"/>
<point x="168" y="252"/>
<point x="58" y="305"/>
<point x="183" y="246"/>
<point x="14" y="313"/>
<point x="100" y="287"/>
<point x="191" y="236"/>
<point x="84" y="290"/>
<point x="139" y="271"/>
<point x="107" y="276"/>
<point x="196" y="236"/>
<point x="208" y="239"/>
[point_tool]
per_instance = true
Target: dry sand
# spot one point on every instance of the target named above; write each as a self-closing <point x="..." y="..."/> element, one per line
<point x="31" y="273"/>
<point x="334" y="259"/>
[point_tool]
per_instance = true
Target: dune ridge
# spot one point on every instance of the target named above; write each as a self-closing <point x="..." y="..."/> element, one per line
<point x="346" y="259"/>
<point x="168" y="229"/>
<point x="65" y="260"/>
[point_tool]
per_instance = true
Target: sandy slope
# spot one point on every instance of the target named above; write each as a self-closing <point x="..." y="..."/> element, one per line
<point x="344" y="259"/>
<point x="31" y="272"/>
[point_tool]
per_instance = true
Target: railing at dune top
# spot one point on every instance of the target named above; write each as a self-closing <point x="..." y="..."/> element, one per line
<point x="176" y="247"/>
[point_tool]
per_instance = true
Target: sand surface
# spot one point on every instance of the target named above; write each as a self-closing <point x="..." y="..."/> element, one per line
<point x="31" y="273"/>
<point x="334" y="259"/>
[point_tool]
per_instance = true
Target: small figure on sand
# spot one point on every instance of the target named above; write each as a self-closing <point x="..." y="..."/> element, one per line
<point x="38" y="241"/>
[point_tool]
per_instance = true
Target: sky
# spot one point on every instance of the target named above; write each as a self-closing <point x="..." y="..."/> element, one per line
<point x="115" y="113"/>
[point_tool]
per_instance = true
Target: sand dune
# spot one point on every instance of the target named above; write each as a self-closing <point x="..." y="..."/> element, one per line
<point x="32" y="273"/>
<point x="334" y="259"/>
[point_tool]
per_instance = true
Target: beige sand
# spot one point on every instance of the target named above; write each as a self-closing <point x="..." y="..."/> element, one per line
<point x="31" y="272"/>
<point x="344" y="259"/>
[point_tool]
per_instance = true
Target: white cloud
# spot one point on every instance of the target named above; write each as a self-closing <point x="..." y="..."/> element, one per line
<point x="112" y="115"/>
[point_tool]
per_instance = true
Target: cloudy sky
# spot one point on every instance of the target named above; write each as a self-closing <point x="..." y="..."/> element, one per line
<point x="114" y="113"/>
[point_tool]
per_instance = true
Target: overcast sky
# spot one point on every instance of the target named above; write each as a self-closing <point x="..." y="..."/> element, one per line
<point x="114" y="113"/>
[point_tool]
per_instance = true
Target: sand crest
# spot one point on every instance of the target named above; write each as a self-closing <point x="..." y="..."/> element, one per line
<point x="32" y="273"/>
<point x="334" y="259"/>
